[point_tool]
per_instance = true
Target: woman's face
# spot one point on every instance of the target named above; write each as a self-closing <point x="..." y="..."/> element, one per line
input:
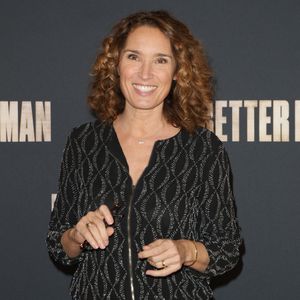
<point x="146" y="68"/>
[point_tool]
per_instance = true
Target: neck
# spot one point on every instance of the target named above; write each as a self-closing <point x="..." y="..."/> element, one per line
<point x="140" y="123"/>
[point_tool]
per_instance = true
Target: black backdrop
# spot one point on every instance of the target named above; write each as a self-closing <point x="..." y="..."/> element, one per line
<point x="47" y="48"/>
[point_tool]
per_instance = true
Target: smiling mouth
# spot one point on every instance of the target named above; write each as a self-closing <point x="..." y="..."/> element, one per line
<point x="144" y="88"/>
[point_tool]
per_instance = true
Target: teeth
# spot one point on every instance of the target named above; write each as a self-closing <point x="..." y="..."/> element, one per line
<point x="144" y="88"/>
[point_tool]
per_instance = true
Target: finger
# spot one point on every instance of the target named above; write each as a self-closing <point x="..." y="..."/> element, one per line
<point x="102" y="233"/>
<point x="93" y="237"/>
<point x="86" y="234"/>
<point x="162" y="272"/>
<point x="155" y="243"/>
<point x="156" y="260"/>
<point x="93" y="229"/>
<point x="89" y="227"/>
<point x="98" y="230"/>
<point x="168" y="254"/>
<point x="157" y="265"/>
<point x="150" y="253"/>
<point x="153" y="249"/>
<point x="106" y="213"/>
<point x="110" y="230"/>
<point x="167" y="258"/>
<point x="171" y="261"/>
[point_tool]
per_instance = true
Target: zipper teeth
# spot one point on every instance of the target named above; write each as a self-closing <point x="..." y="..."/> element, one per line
<point x="129" y="247"/>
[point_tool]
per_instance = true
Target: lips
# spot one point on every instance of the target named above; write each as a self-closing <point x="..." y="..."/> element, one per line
<point x="144" y="88"/>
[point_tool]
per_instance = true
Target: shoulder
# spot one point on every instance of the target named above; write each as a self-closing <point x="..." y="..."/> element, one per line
<point x="84" y="129"/>
<point x="87" y="136"/>
<point x="210" y="151"/>
<point x="208" y="140"/>
<point x="90" y="130"/>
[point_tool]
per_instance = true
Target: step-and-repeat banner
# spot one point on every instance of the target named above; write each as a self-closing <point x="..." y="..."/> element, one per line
<point x="47" y="49"/>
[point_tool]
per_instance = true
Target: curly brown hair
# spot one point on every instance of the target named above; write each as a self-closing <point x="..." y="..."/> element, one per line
<point x="189" y="103"/>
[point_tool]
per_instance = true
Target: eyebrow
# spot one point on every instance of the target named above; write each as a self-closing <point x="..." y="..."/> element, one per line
<point x="157" y="54"/>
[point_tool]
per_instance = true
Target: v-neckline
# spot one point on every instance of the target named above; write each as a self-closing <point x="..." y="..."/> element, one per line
<point x="117" y="151"/>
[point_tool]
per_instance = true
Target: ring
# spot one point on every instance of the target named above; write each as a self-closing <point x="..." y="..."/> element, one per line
<point x="163" y="264"/>
<point x="87" y="225"/>
<point x="83" y="245"/>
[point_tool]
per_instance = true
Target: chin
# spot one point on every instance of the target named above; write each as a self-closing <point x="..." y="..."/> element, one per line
<point x="146" y="106"/>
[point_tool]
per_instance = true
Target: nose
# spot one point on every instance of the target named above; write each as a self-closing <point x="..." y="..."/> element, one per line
<point x="145" y="71"/>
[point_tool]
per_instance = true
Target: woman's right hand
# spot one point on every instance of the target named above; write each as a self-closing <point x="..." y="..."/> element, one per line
<point x="93" y="228"/>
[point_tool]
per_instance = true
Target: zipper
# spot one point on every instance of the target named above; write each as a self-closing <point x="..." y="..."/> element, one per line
<point x="129" y="232"/>
<point x="130" y="244"/>
<point x="129" y="241"/>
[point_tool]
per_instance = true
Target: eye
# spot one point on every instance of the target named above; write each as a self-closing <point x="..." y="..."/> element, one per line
<point x="132" y="56"/>
<point x="161" y="60"/>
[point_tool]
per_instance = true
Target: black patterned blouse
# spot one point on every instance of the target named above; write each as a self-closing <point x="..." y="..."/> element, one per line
<point x="185" y="192"/>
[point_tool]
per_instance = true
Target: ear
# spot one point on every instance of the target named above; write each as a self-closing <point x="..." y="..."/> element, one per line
<point x="175" y="76"/>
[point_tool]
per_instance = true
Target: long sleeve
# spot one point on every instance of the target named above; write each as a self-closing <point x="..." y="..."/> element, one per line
<point x="64" y="214"/>
<point x="220" y="232"/>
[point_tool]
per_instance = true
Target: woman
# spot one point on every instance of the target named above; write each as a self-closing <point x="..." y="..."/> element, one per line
<point x="145" y="205"/>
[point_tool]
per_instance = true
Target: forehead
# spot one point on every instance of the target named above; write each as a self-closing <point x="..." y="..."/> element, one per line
<point x="149" y="39"/>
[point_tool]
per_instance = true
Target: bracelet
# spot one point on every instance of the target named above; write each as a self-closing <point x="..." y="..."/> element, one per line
<point x="196" y="254"/>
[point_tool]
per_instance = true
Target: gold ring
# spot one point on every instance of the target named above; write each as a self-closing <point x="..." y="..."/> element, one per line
<point x="83" y="245"/>
<point x="163" y="263"/>
<point x="88" y="224"/>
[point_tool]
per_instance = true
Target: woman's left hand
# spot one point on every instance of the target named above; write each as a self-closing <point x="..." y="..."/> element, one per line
<point x="165" y="255"/>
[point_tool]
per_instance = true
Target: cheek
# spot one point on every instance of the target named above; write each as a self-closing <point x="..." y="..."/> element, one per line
<point x="165" y="74"/>
<point x="167" y="79"/>
<point x="126" y="71"/>
<point x="124" y="81"/>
